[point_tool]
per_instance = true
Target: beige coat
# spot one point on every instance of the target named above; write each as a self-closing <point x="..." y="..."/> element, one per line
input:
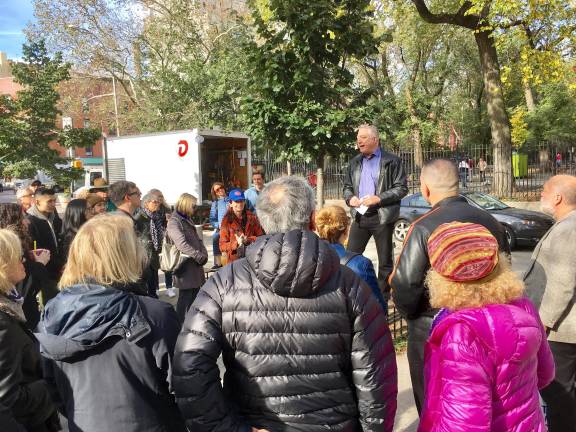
<point x="551" y="279"/>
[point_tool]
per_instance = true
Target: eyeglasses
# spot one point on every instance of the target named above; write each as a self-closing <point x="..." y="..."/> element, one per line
<point x="219" y="188"/>
<point x="135" y="193"/>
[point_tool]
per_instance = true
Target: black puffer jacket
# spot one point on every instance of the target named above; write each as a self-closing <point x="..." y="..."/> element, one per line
<point x="305" y="344"/>
<point x="110" y="359"/>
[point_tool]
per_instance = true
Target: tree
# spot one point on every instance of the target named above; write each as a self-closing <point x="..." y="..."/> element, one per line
<point x="469" y="17"/>
<point x="28" y="123"/>
<point x="176" y="67"/>
<point x="489" y="19"/>
<point x="305" y="101"/>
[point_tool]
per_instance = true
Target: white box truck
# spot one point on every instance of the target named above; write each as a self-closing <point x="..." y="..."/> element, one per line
<point x="181" y="161"/>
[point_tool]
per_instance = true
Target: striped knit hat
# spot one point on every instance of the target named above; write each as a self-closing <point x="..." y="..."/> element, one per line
<point x="462" y="252"/>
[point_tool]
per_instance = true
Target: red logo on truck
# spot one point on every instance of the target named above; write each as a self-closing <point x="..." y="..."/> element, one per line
<point x="182" y="148"/>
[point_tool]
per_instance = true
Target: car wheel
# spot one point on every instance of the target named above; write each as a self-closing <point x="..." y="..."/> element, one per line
<point x="401" y="228"/>
<point x="511" y="237"/>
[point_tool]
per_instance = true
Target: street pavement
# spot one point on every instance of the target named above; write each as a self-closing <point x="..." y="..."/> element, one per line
<point x="7" y="197"/>
<point x="406" y="415"/>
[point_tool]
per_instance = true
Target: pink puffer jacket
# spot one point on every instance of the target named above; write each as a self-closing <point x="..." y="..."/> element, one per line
<point x="484" y="367"/>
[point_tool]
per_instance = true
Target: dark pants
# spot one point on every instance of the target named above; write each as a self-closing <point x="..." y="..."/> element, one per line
<point x="418" y="331"/>
<point x="364" y="227"/>
<point x="463" y="177"/>
<point x="152" y="282"/>
<point x="560" y="395"/>
<point x="185" y="299"/>
<point x="168" y="279"/>
<point x="482" y="176"/>
<point x="216" y="244"/>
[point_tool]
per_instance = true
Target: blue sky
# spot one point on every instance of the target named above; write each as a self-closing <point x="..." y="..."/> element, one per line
<point x="14" y="15"/>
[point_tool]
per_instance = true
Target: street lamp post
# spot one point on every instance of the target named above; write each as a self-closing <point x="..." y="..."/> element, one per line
<point x="113" y="94"/>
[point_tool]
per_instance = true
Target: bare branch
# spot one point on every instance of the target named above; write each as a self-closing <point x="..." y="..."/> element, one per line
<point x="459" y="18"/>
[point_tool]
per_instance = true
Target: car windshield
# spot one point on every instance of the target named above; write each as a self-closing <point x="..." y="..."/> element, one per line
<point x="487" y="202"/>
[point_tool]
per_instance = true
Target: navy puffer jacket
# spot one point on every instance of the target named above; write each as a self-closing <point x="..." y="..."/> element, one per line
<point x="305" y="344"/>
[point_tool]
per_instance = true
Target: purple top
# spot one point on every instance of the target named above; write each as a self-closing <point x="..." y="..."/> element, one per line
<point x="369" y="175"/>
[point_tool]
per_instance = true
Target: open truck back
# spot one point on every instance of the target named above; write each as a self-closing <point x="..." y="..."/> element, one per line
<point x="181" y="161"/>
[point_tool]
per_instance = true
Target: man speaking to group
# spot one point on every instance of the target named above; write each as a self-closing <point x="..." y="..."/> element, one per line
<point x="373" y="188"/>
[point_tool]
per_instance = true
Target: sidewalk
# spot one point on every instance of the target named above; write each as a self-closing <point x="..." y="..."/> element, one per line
<point x="406" y="414"/>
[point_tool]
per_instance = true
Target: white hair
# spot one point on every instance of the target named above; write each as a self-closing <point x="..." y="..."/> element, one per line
<point x="285" y="204"/>
<point x="373" y="129"/>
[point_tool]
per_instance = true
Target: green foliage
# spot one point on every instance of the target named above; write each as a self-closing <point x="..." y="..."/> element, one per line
<point x="193" y="73"/>
<point x="304" y="99"/>
<point x="28" y="123"/>
<point x="554" y="119"/>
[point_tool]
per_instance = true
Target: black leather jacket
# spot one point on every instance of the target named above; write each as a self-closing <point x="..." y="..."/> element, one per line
<point x="410" y="295"/>
<point x="391" y="187"/>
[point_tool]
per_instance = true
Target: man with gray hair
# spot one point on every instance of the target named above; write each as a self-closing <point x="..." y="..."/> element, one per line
<point x="373" y="188"/>
<point x="551" y="285"/>
<point x="305" y="344"/>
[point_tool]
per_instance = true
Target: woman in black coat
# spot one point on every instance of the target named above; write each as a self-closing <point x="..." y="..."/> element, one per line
<point x="150" y="223"/>
<point x="24" y="395"/>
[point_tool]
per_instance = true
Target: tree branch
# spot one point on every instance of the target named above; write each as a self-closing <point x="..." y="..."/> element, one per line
<point x="459" y="18"/>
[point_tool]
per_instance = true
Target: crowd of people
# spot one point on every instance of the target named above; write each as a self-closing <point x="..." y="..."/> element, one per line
<point x="295" y="311"/>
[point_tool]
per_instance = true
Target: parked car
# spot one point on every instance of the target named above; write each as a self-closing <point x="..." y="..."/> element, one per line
<point x="522" y="226"/>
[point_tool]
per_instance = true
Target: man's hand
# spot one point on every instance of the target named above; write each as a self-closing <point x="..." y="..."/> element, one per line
<point x="355" y="202"/>
<point x="370" y="201"/>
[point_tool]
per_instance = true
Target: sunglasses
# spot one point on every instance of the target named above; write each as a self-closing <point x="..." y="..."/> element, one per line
<point x="135" y="193"/>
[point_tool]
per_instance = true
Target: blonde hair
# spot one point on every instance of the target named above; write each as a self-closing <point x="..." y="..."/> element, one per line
<point x="10" y="255"/>
<point x="105" y="251"/>
<point x="186" y="204"/>
<point x="499" y="287"/>
<point x="331" y="223"/>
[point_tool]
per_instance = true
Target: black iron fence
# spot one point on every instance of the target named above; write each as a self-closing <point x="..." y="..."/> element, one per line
<point x="396" y="323"/>
<point x="334" y="171"/>
<point x="531" y="167"/>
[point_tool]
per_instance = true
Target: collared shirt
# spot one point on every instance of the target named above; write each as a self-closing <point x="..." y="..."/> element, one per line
<point x="370" y="174"/>
<point x="251" y="198"/>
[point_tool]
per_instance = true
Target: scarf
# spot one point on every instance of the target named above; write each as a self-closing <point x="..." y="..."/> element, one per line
<point x="156" y="228"/>
<point x="11" y="303"/>
<point x="442" y="313"/>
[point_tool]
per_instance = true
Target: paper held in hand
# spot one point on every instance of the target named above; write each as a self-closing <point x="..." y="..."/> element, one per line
<point x="362" y="208"/>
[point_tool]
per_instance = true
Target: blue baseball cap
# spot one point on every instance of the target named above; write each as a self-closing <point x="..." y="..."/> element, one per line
<point x="236" y="195"/>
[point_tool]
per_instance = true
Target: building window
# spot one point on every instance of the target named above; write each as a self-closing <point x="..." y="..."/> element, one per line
<point x="88" y="151"/>
<point x="86" y="123"/>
